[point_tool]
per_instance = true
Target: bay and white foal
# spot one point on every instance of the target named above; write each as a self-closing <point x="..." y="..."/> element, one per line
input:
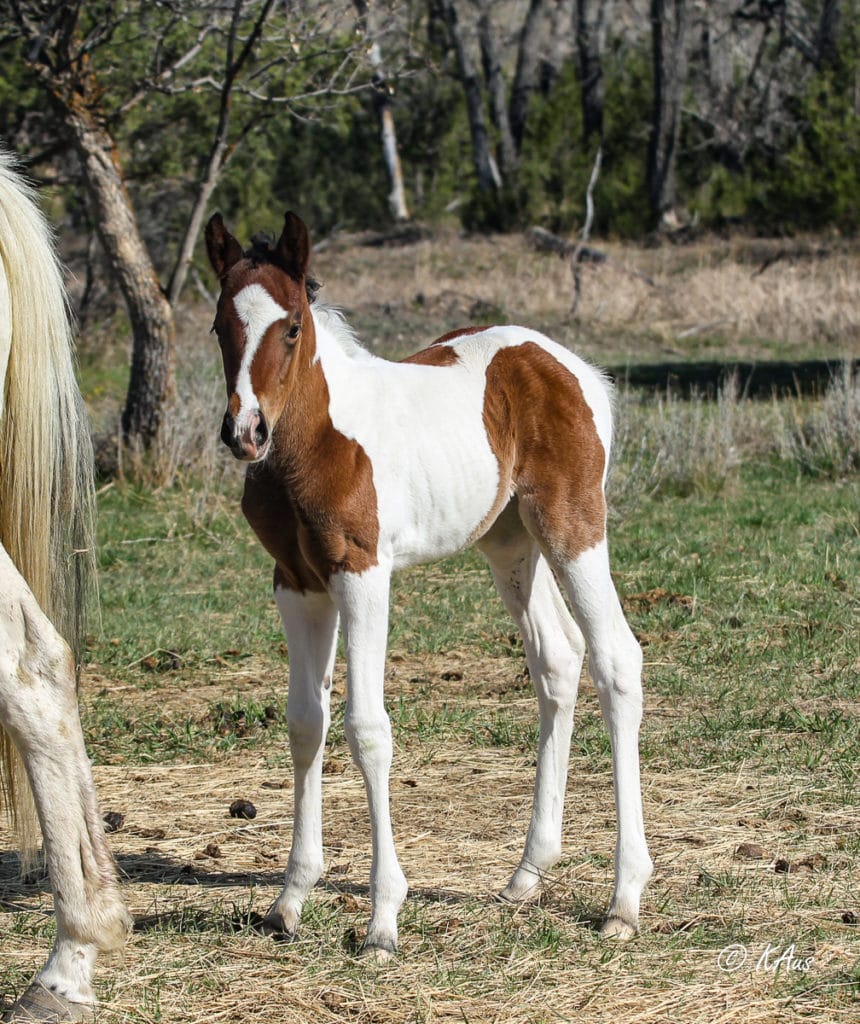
<point x="357" y="466"/>
<point x="46" y="519"/>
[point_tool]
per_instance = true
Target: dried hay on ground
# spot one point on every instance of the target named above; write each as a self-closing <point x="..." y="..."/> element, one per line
<point x="193" y="877"/>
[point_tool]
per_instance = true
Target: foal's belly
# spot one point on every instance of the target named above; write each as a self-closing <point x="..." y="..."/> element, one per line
<point x="437" y="503"/>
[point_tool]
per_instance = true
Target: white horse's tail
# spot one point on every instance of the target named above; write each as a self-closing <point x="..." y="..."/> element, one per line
<point x="46" y="464"/>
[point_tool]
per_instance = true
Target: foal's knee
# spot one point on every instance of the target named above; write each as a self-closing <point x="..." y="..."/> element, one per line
<point x="307" y="734"/>
<point x="369" y="740"/>
<point x="618" y="673"/>
<point x="557" y="679"/>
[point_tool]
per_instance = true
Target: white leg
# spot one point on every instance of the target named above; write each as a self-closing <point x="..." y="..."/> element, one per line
<point x="615" y="662"/>
<point x="554" y="649"/>
<point x="363" y="603"/>
<point x="38" y="711"/>
<point x="310" y="625"/>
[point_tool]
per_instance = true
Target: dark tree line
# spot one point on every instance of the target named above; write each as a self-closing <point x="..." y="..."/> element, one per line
<point x="372" y="109"/>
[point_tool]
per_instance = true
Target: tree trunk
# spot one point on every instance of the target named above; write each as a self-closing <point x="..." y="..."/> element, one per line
<point x="827" y="36"/>
<point x="669" y="26"/>
<point x="497" y="91"/>
<point x="560" y="46"/>
<point x="528" y="58"/>
<point x="487" y="172"/>
<point x="590" y="29"/>
<point x="388" y="133"/>
<point x="151" y="382"/>
<point x="384" y="114"/>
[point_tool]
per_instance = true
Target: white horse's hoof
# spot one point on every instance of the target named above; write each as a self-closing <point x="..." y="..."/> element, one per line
<point x="41" y="1004"/>
<point x="615" y="928"/>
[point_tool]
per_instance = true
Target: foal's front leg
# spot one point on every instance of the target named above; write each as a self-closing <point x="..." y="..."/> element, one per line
<point x="310" y="626"/>
<point x="363" y="602"/>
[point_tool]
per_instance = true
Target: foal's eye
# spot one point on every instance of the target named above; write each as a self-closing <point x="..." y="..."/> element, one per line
<point x="293" y="332"/>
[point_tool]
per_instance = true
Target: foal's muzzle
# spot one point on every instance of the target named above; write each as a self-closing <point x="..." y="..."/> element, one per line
<point x="248" y="439"/>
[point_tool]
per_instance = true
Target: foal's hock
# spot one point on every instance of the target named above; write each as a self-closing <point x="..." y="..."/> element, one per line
<point x="493" y="436"/>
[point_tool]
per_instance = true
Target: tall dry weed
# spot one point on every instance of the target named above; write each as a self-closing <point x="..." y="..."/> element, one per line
<point x="825" y="440"/>
<point x="188" y="448"/>
<point x="676" y="446"/>
<point x="670" y="445"/>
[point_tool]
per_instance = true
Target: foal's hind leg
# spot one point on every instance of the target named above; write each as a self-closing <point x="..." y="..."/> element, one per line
<point x="39" y="712"/>
<point x="310" y="624"/>
<point x="554" y="651"/>
<point x="615" y="664"/>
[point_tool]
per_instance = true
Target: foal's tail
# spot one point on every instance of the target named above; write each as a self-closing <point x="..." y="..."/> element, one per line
<point x="47" y="499"/>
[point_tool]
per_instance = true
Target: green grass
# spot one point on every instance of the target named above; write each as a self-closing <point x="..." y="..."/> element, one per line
<point x="753" y="640"/>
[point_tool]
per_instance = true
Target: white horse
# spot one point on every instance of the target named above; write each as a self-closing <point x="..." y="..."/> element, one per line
<point x="46" y="519"/>
<point x="497" y="437"/>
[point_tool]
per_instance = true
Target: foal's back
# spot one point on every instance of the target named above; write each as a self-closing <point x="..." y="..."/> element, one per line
<point x="457" y="430"/>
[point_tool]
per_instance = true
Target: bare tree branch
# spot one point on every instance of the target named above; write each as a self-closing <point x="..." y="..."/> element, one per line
<point x="219" y="152"/>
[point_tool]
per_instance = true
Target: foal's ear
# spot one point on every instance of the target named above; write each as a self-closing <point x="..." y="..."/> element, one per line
<point x="222" y="247"/>
<point x="294" y="246"/>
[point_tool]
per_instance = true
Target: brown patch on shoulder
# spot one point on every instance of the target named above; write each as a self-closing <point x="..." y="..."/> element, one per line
<point x="544" y="436"/>
<point x="329" y="480"/>
<point x="267" y="506"/>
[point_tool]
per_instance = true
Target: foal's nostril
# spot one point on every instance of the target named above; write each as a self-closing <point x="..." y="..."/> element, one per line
<point x="261" y="433"/>
<point x="227" y="430"/>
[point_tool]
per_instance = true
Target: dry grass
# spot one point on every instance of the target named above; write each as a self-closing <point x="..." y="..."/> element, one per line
<point x="706" y="298"/>
<point x="827" y="438"/>
<point x="460" y="814"/>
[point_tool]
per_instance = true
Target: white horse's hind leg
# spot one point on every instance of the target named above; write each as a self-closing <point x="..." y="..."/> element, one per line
<point x="310" y="626"/>
<point x="615" y="664"/>
<point x="554" y="652"/>
<point x="38" y="710"/>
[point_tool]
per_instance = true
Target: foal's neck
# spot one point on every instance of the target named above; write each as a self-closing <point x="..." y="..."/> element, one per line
<point x="302" y="435"/>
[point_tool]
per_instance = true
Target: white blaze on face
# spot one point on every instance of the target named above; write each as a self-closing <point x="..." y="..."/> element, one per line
<point x="257" y="311"/>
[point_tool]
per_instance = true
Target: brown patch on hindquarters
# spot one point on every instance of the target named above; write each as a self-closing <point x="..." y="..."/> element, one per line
<point x="543" y="433"/>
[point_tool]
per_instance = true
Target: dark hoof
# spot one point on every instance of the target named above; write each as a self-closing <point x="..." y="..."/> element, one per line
<point x="40" y="1004"/>
<point x="274" y="929"/>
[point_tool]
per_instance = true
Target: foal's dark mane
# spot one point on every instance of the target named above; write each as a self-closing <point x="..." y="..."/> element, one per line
<point x="263" y="251"/>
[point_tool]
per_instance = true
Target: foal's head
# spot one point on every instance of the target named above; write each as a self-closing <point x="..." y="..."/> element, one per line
<point x="261" y="317"/>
